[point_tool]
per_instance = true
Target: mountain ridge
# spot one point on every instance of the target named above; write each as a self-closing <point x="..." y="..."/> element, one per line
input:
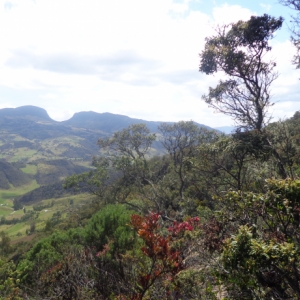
<point x="106" y="122"/>
<point x="33" y="112"/>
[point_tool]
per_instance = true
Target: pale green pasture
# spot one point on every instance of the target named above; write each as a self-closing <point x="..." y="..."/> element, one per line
<point x="5" y="210"/>
<point x="17" y="138"/>
<point x="14" y="214"/>
<point x="84" y="163"/>
<point x="23" y="153"/>
<point x="61" y="204"/>
<point x="6" y="196"/>
<point x="30" y="169"/>
<point x="12" y="230"/>
<point x="53" y="143"/>
<point x="37" y="156"/>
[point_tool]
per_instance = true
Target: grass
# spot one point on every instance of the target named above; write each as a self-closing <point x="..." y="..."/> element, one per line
<point x="48" y="150"/>
<point x="31" y="155"/>
<point x="30" y="169"/>
<point x="6" y="196"/>
<point x="24" y="153"/>
<point x="12" y="230"/>
<point x="5" y="210"/>
<point x="52" y="148"/>
<point x="17" y="231"/>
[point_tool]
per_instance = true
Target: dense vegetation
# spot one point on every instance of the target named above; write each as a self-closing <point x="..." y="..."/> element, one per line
<point x="216" y="217"/>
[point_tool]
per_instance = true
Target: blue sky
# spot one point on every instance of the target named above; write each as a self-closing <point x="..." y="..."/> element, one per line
<point x="136" y="57"/>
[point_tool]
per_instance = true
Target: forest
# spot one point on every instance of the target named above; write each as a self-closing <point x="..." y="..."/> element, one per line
<point x="216" y="217"/>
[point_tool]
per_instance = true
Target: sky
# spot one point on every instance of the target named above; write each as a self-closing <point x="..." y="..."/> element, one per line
<point x="138" y="58"/>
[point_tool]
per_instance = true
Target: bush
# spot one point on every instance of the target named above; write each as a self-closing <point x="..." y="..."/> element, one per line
<point x="110" y="227"/>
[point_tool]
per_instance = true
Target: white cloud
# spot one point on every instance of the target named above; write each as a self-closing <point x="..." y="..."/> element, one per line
<point x="180" y="7"/>
<point x="286" y="87"/>
<point x="266" y="7"/>
<point x="226" y="14"/>
<point x="134" y="57"/>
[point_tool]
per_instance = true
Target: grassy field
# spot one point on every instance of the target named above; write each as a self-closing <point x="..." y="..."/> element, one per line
<point x="30" y="169"/>
<point x="5" y="210"/>
<point x="7" y="196"/>
<point x="34" y="160"/>
<point x="52" y="148"/>
<point x="62" y="205"/>
<point x="23" y="154"/>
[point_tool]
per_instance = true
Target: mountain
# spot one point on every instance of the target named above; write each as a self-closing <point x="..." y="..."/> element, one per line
<point x="226" y="129"/>
<point x="10" y="175"/>
<point x="106" y="122"/>
<point x="28" y="112"/>
<point x="50" y="171"/>
<point x="29" y="135"/>
<point x="54" y="190"/>
<point x="38" y="151"/>
<point x="34" y="123"/>
<point x="109" y="123"/>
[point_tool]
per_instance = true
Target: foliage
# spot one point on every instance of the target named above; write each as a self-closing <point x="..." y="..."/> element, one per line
<point x="8" y="281"/>
<point x="165" y="254"/>
<point x="45" y="253"/>
<point x="132" y="142"/>
<point x="95" y="181"/>
<point x="283" y="136"/>
<point x="266" y="265"/>
<point x="246" y="245"/>
<point x="5" y="246"/>
<point x="180" y="141"/>
<point x="238" y="50"/>
<point x="261" y="258"/>
<point x="69" y="278"/>
<point x="109" y="227"/>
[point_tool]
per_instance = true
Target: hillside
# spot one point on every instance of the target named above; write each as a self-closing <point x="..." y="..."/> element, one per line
<point x="107" y="122"/>
<point x="26" y="112"/>
<point x="37" y="153"/>
<point x="54" y="190"/>
<point x="56" y="170"/>
<point x="28" y="134"/>
<point x="11" y="176"/>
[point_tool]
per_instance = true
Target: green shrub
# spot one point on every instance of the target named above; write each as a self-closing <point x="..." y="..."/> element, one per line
<point x="109" y="227"/>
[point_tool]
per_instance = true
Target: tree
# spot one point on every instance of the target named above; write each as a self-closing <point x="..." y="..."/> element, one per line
<point x="295" y="4"/>
<point x="284" y="137"/>
<point x="96" y="180"/>
<point x="17" y="204"/>
<point x="180" y="141"/>
<point x="238" y="51"/>
<point x="126" y="153"/>
<point x="228" y="162"/>
<point x="5" y="246"/>
<point x="134" y="141"/>
<point x="110" y="227"/>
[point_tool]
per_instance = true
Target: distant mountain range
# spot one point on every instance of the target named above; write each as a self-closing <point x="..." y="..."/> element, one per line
<point x="29" y="135"/>
<point x="226" y="129"/>
<point x="16" y="118"/>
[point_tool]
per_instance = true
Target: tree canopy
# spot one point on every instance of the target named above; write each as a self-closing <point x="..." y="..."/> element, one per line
<point x="238" y="50"/>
